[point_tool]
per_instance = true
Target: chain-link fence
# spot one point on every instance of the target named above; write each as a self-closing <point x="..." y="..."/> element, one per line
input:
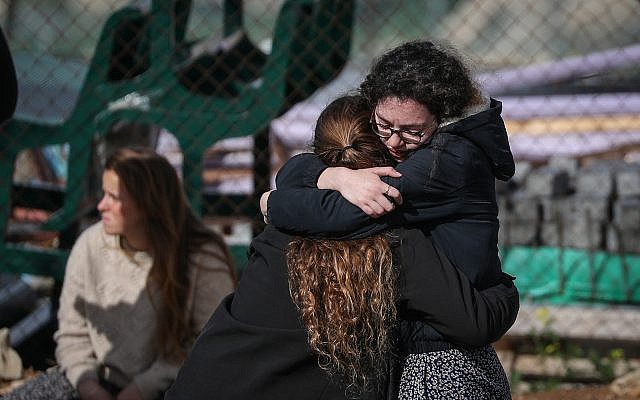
<point x="230" y="89"/>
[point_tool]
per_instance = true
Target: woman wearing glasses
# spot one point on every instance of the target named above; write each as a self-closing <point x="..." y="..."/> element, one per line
<point x="313" y="319"/>
<point x="450" y="144"/>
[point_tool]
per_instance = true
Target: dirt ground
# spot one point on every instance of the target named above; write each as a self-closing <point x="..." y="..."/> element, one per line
<point x="595" y="393"/>
<point x="589" y="393"/>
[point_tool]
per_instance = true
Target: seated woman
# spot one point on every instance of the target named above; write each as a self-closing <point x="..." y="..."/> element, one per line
<point x="316" y="319"/>
<point x="138" y="287"/>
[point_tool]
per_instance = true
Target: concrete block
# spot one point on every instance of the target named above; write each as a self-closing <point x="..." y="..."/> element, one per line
<point x="583" y="234"/>
<point x="523" y="169"/>
<point x="575" y="206"/>
<point x="518" y="232"/>
<point x="548" y="181"/>
<point x="552" y="208"/>
<point x="503" y="237"/>
<point x="626" y="212"/>
<point x="588" y="207"/>
<point x="624" y="241"/>
<point x="504" y="206"/>
<point x="597" y="182"/>
<point x="613" y="239"/>
<point x="628" y="181"/>
<point x="568" y="164"/>
<point x="572" y="232"/>
<point x="525" y="207"/>
<point x="550" y="234"/>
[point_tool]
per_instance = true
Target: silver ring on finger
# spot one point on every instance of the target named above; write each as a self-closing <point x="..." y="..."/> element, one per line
<point x="386" y="192"/>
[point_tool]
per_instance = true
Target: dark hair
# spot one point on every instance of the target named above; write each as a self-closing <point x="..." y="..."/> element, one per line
<point x="345" y="290"/>
<point x="431" y="74"/>
<point x="175" y="234"/>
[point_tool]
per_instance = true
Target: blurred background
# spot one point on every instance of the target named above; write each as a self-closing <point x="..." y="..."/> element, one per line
<point x="228" y="90"/>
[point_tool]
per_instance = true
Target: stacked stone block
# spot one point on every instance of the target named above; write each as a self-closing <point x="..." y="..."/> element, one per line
<point x="576" y="221"/>
<point x="623" y="234"/>
<point x="595" y="207"/>
<point x="586" y="213"/>
<point x="519" y="220"/>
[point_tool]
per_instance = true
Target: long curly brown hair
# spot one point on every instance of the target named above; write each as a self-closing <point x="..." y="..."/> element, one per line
<point x="345" y="290"/>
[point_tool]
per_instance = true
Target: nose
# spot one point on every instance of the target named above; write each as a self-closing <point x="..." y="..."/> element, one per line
<point x="394" y="141"/>
<point x="102" y="205"/>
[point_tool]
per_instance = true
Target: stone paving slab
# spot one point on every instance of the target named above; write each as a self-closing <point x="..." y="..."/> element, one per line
<point x="611" y="322"/>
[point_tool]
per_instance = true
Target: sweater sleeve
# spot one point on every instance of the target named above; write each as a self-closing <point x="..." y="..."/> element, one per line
<point x="210" y="283"/>
<point x="74" y="351"/>
<point x="156" y="378"/>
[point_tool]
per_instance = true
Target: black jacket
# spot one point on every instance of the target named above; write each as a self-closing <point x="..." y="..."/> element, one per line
<point x="8" y="81"/>
<point x="456" y="202"/>
<point x="254" y="346"/>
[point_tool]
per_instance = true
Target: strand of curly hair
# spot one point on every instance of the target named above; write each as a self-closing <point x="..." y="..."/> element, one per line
<point x="345" y="292"/>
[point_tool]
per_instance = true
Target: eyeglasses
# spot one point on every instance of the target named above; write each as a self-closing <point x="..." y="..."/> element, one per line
<point x="409" y="136"/>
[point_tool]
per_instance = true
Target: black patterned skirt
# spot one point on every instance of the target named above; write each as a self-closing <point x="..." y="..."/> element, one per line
<point x="458" y="373"/>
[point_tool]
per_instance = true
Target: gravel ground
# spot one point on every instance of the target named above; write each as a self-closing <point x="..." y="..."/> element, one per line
<point x="588" y="393"/>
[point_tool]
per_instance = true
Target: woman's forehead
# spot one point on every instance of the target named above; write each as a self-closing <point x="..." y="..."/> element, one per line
<point x="402" y="111"/>
<point x="110" y="179"/>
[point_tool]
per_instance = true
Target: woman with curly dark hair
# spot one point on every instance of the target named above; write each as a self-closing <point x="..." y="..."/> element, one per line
<point x="315" y="319"/>
<point x="450" y="144"/>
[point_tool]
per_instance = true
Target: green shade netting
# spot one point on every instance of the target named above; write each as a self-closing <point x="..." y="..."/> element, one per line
<point x="564" y="275"/>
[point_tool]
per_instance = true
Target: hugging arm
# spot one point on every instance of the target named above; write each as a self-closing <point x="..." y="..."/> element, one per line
<point x="320" y="213"/>
<point x="443" y="297"/>
<point x="300" y="171"/>
<point x="299" y="207"/>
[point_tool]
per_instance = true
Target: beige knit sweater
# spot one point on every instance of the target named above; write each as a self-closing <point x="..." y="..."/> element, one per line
<point x="106" y="318"/>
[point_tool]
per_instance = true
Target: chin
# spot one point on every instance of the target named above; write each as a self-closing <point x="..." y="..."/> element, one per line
<point x="110" y="230"/>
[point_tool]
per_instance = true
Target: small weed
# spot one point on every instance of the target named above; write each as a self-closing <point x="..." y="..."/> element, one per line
<point x="549" y="345"/>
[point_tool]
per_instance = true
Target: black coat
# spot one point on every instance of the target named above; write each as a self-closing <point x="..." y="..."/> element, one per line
<point x="7" y="81"/>
<point x="254" y="346"/>
<point x="455" y="200"/>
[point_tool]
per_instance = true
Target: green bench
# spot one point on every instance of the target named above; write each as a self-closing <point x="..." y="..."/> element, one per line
<point x="77" y="131"/>
<point x="311" y="44"/>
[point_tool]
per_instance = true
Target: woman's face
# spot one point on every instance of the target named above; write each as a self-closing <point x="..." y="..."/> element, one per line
<point x="406" y="115"/>
<point x="120" y="215"/>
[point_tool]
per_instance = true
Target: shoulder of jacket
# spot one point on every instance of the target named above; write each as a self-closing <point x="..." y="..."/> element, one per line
<point x="272" y="237"/>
